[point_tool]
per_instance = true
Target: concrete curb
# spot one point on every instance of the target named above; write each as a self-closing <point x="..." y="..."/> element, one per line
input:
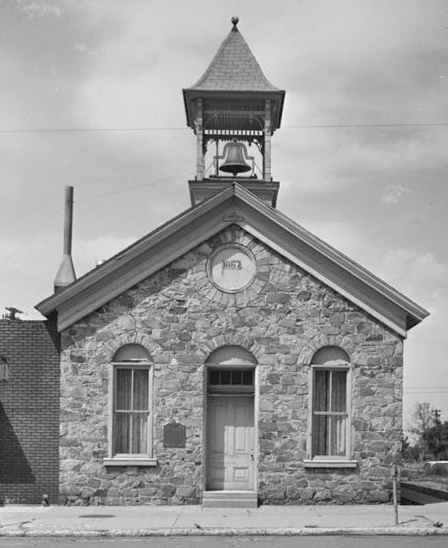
<point x="318" y="531"/>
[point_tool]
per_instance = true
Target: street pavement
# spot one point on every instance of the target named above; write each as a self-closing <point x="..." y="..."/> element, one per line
<point x="229" y="542"/>
<point x="145" y="521"/>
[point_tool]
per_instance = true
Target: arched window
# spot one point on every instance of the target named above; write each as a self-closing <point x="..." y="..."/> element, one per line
<point x="131" y="415"/>
<point x="231" y="355"/>
<point x="230" y="370"/>
<point x="131" y="353"/>
<point x="330" y="401"/>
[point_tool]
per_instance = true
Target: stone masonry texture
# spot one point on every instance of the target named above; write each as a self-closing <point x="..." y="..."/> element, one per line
<point x="180" y="317"/>
<point x="29" y="412"/>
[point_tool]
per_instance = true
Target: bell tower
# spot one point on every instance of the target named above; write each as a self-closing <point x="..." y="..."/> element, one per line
<point x="233" y="110"/>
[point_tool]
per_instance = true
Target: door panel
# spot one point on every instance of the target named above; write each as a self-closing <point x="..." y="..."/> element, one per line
<point x="230" y="442"/>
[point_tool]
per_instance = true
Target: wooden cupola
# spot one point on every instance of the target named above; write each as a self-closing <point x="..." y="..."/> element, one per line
<point x="233" y="110"/>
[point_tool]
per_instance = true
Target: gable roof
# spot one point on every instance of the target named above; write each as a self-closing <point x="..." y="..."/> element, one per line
<point x="234" y="68"/>
<point x="234" y="205"/>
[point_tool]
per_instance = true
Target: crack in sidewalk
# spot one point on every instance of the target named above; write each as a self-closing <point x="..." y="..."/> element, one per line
<point x="172" y="526"/>
<point x="18" y="524"/>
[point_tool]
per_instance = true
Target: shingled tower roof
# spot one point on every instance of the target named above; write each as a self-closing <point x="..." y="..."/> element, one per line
<point x="234" y="75"/>
<point x="234" y="68"/>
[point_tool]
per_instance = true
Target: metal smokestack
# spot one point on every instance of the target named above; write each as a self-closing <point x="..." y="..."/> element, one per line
<point x="66" y="273"/>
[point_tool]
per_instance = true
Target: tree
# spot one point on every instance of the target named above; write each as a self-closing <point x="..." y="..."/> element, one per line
<point x="436" y="437"/>
<point x="423" y="418"/>
<point x="430" y="435"/>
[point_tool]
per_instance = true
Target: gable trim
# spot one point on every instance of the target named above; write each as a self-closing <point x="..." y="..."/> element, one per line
<point x="133" y="251"/>
<point x="97" y="295"/>
<point x="151" y="253"/>
<point x="338" y="258"/>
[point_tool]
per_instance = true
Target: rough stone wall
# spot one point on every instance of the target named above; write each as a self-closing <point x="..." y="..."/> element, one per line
<point x="180" y="317"/>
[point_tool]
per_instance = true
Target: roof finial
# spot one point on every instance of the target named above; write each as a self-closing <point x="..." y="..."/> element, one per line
<point x="235" y="21"/>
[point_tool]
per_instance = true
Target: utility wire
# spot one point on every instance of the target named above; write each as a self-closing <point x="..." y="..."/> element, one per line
<point x="423" y="390"/>
<point x="20" y="131"/>
<point x="428" y="387"/>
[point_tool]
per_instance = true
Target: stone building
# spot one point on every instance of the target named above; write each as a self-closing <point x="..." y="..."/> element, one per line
<point x="229" y="357"/>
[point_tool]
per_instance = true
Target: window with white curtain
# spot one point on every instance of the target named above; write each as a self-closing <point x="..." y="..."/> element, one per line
<point x="131" y="420"/>
<point x="330" y="404"/>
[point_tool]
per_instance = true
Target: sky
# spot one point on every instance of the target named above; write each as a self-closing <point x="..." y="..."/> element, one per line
<point x="90" y="96"/>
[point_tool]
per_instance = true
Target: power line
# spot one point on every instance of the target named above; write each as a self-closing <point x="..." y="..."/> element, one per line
<point x="91" y="130"/>
<point x="427" y="387"/>
<point x="423" y="391"/>
<point x="372" y="125"/>
<point x="20" y="131"/>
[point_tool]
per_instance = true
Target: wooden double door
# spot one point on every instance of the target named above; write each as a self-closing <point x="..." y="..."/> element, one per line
<point x="230" y="442"/>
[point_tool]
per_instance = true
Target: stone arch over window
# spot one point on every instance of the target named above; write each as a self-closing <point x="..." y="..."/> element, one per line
<point x="207" y="347"/>
<point x="231" y="355"/>
<point x="112" y="346"/>
<point x="330" y="355"/>
<point x="131" y="352"/>
<point x="308" y="350"/>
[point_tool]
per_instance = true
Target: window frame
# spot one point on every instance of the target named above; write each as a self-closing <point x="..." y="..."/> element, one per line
<point x="330" y="461"/>
<point x="130" y="459"/>
<point x="229" y="388"/>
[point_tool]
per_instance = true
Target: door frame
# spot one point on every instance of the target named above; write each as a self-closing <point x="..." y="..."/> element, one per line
<point x="255" y="397"/>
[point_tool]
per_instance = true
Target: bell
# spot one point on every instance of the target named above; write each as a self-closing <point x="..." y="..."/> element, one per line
<point x="234" y="155"/>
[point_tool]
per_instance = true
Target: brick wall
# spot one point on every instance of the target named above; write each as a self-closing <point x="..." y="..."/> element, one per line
<point x="29" y="412"/>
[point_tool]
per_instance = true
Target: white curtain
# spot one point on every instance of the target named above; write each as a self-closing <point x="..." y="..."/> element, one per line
<point x="329" y="399"/>
<point x="131" y="411"/>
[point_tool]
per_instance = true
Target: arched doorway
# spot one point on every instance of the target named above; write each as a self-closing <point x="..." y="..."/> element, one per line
<point x="230" y="420"/>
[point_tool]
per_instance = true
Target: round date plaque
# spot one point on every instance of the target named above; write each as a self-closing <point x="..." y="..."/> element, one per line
<point x="232" y="268"/>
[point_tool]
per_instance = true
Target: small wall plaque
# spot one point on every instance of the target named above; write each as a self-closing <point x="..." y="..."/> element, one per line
<point x="174" y="435"/>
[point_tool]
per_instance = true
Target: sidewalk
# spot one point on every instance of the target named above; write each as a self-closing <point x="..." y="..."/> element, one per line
<point x="137" y="521"/>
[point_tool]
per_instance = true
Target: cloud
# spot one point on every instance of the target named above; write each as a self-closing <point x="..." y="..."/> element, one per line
<point x="89" y="252"/>
<point x="393" y="194"/>
<point x="342" y="235"/>
<point x="30" y="269"/>
<point x="28" y="273"/>
<point x="82" y="63"/>
<point x="36" y="10"/>
<point x="421" y="275"/>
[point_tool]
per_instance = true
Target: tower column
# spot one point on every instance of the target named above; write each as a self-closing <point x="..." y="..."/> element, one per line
<point x="267" y="175"/>
<point x="198" y="127"/>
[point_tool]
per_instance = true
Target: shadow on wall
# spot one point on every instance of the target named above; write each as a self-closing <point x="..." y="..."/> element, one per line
<point x="14" y="466"/>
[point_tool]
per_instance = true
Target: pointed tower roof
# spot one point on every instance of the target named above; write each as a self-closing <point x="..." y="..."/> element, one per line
<point x="234" y="74"/>
<point x="234" y="67"/>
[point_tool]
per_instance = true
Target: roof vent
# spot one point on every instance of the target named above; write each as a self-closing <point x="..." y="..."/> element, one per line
<point x="11" y="313"/>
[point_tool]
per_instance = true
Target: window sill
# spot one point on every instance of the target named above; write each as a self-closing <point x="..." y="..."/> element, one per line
<point x="130" y="461"/>
<point x="336" y="463"/>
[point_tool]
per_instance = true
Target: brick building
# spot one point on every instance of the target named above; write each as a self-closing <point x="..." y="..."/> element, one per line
<point x="29" y="411"/>
<point x="227" y="357"/>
